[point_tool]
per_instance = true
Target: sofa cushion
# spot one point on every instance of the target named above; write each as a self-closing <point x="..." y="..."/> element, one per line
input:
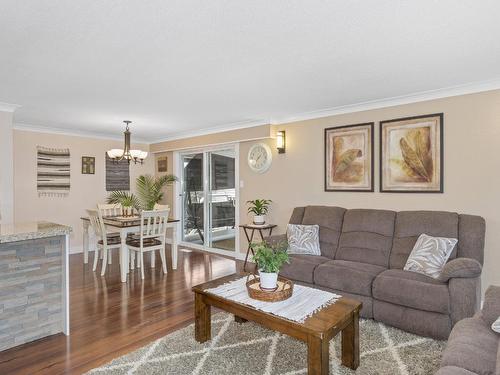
<point x="412" y="289"/>
<point x="352" y="277"/>
<point x="366" y="236"/>
<point x="330" y="221"/>
<point x="472" y="345"/>
<point x="301" y="267"/>
<point x="303" y="239"/>
<point x="410" y="225"/>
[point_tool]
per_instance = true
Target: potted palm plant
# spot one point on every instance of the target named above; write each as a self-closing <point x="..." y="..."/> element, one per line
<point x="269" y="259"/>
<point x="149" y="192"/>
<point x="127" y="200"/>
<point x="259" y="208"/>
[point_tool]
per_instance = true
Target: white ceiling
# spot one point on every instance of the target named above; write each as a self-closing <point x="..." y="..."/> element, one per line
<point x="178" y="66"/>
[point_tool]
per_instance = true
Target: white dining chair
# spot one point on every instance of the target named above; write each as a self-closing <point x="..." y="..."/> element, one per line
<point x="110" y="209"/>
<point x="161" y="207"/>
<point x="151" y="237"/>
<point x="105" y="242"/>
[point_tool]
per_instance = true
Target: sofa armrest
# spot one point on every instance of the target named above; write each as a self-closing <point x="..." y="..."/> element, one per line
<point x="276" y="239"/>
<point x="460" y="267"/>
<point x="491" y="306"/>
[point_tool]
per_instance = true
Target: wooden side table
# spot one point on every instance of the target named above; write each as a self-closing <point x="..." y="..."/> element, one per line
<point x="249" y="230"/>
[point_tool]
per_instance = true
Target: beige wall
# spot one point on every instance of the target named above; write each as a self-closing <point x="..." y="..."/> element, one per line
<point x="6" y="168"/>
<point x="86" y="190"/>
<point x="471" y="168"/>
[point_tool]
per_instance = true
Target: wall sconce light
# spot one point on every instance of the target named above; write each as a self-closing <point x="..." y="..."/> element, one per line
<point x="280" y="141"/>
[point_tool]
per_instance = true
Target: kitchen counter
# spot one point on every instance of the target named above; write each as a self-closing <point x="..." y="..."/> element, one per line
<point x="31" y="230"/>
<point x="34" y="282"/>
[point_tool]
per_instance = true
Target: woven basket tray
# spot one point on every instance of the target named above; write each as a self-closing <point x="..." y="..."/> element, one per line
<point x="283" y="292"/>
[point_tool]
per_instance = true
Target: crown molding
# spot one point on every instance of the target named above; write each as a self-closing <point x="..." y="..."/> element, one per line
<point x="213" y="130"/>
<point x="8" y="107"/>
<point x="74" y="133"/>
<point x="470" y="88"/>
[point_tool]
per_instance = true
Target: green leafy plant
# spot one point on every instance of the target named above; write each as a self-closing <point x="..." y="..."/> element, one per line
<point x="125" y="198"/>
<point x="270" y="258"/>
<point x="149" y="189"/>
<point x="259" y="206"/>
<point x="149" y="192"/>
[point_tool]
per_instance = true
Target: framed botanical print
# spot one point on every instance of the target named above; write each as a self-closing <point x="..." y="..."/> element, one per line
<point x="349" y="158"/>
<point x="411" y="154"/>
<point x="88" y="165"/>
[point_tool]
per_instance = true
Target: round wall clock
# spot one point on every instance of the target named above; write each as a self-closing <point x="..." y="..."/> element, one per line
<point x="259" y="157"/>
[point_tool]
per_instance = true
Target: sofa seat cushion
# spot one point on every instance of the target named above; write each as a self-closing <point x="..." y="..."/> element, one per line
<point x="347" y="276"/>
<point x="473" y="346"/>
<point x="301" y="267"/>
<point x="412" y="289"/>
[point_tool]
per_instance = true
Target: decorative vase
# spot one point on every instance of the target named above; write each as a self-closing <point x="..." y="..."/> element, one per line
<point x="268" y="280"/>
<point x="259" y="219"/>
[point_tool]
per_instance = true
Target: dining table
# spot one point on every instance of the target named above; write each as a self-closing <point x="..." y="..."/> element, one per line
<point x="125" y="225"/>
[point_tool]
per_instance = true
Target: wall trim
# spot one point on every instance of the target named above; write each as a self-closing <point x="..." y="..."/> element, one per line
<point x="213" y="130"/>
<point x="8" y="107"/>
<point x="74" y="133"/>
<point x="447" y="92"/>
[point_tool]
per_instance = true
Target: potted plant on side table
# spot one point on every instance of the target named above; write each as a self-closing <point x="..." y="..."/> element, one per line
<point x="269" y="260"/>
<point x="259" y="208"/>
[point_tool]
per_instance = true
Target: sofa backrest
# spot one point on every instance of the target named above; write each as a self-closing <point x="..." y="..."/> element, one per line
<point x="367" y="236"/>
<point x="411" y="224"/>
<point x="329" y="220"/>
<point x="386" y="238"/>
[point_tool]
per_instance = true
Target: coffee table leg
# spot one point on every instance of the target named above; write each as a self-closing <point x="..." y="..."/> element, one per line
<point x="318" y="360"/>
<point x="237" y="319"/>
<point x="202" y="319"/>
<point x="350" y="343"/>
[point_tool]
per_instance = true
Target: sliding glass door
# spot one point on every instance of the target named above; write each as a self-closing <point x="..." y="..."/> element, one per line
<point x="208" y="180"/>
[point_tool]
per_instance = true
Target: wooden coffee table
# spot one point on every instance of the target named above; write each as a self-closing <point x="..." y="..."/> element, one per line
<point x="316" y="331"/>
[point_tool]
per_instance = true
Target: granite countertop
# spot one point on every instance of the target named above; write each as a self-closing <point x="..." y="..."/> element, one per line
<point x="31" y="230"/>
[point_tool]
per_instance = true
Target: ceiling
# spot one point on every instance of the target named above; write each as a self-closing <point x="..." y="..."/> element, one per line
<point x="178" y="67"/>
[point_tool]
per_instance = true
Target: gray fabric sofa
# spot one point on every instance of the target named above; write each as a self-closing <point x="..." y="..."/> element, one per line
<point x="363" y="253"/>
<point x="473" y="347"/>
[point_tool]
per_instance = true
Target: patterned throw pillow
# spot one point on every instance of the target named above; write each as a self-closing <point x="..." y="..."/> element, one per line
<point x="303" y="239"/>
<point x="430" y="254"/>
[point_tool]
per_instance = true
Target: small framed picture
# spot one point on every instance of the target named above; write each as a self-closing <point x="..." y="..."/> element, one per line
<point x="411" y="154"/>
<point x="162" y="163"/>
<point x="88" y="165"/>
<point x="349" y="158"/>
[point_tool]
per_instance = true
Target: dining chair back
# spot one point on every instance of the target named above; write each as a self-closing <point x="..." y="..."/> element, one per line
<point x="161" y="207"/>
<point x="105" y="242"/>
<point x="151" y="237"/>
<point x="154" y="224"/>
<point x="110" y="209"/>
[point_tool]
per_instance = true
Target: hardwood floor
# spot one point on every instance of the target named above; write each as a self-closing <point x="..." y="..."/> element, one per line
<point x="110" y="318"/>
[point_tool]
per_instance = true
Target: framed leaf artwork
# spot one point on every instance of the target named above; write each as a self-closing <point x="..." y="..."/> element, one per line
<point x="349" y="158"/>
<point x="88" y="165"/>
<point x="411" y="154"/>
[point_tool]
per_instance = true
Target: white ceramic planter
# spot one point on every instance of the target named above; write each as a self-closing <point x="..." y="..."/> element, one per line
<point x="259" y="219"/>
<point x="268" y="280"/>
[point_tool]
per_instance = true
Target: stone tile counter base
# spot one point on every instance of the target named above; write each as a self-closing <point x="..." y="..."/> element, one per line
<point x="30" y="290"/>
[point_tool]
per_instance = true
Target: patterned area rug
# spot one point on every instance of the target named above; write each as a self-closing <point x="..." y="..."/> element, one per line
<point x="250" y="349"/>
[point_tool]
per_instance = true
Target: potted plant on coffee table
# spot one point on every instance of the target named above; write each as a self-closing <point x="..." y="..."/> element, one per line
<point x="269" y="259"/>
<point x="259" y="208"/>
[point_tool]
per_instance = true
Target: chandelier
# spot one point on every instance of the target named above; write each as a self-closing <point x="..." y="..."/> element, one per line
<point x="117" y="154"/>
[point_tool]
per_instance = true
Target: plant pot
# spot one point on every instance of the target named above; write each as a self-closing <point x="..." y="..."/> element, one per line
<point x="268" y="280"/>
<point x="259" y="219"/>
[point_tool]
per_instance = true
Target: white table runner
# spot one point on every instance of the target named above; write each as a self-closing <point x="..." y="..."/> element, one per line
<point x="303" y="303"/>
